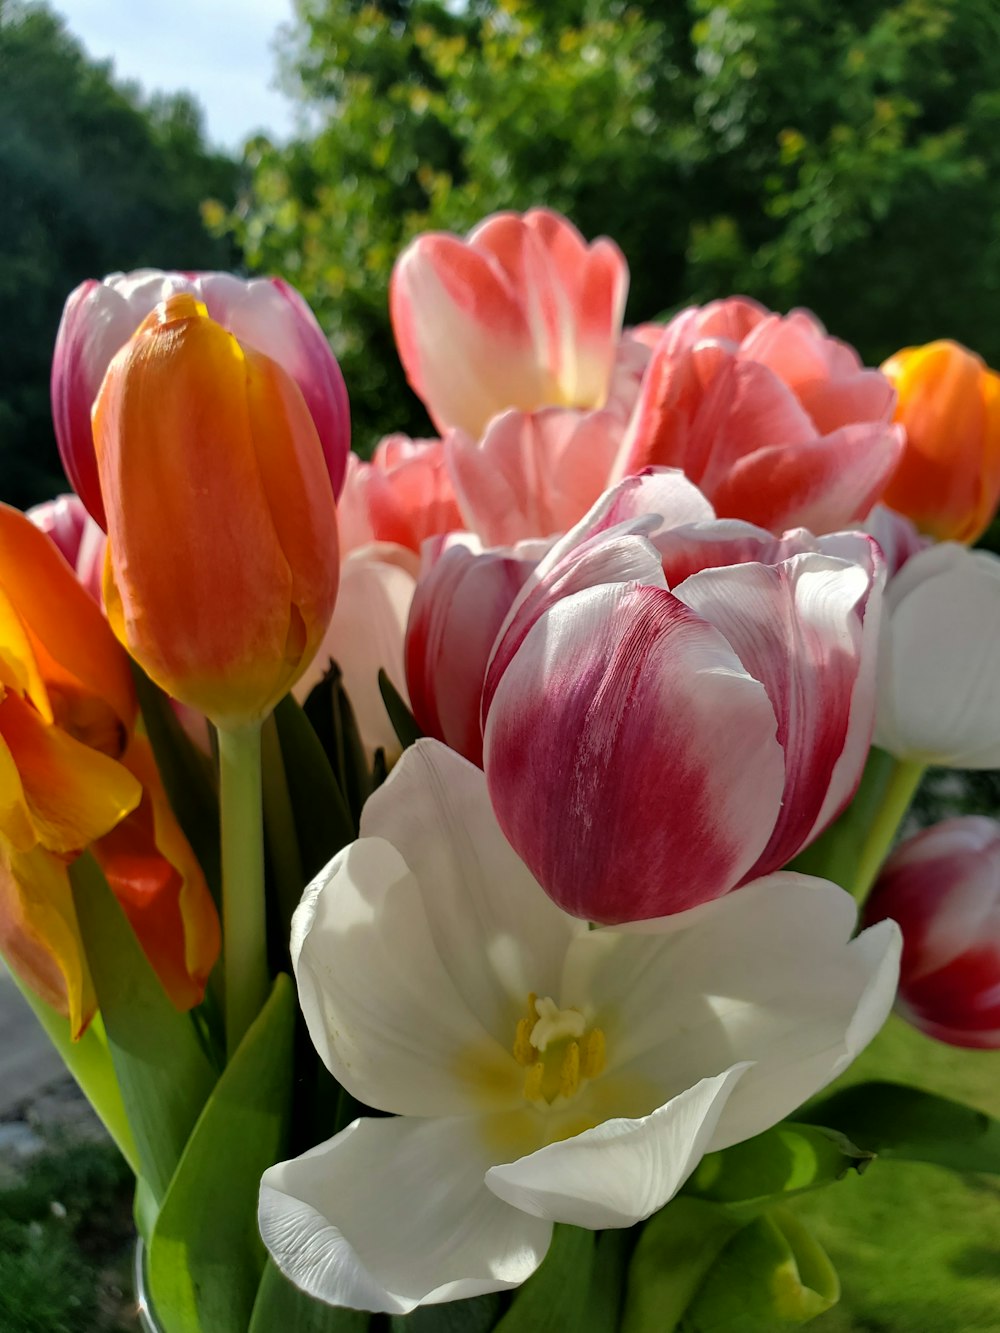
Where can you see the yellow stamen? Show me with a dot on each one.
(524, 1052)
(593, 1056)
(569, 1070)
(533, 1080)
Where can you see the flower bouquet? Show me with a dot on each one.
(441, 873)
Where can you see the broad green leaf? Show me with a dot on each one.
(404, 724)
(281, 1308)
(163, 1072)
(772, 1275)
(188, 778)
(477, 1315)
(788, 1159)
(205, 1258)
(554, 1299)
(607, 1282)
(89, 1061)
(323, 821)
(676, 1250)
(329, 711)
(897, 1121)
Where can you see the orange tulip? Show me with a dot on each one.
(222, 564)
(948, 481)
(72, 775)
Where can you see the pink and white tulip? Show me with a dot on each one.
(776, 422)
(263, 313)
(79, 539)
(522, 313)
(403, 496)
(939, 660)
(648, 750)
(942, 886)
(536, 1071)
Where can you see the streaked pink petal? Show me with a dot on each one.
(625, 680)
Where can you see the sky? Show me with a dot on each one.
(221, 51)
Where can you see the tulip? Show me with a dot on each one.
(533, 474)
(536, 1071)
(939, 661)
(265, 314)
(402, 496)
(222, 561)
(366, 636)
(461, 600)
(776, 422)
(523, 313)
(72, 775)
(648, 750)
(78, 538)
(948, 479)
(943, 888)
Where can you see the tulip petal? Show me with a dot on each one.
(69, 793)
(621, 1171)
(496, 934)
(40, 936)
(769, 974)
(798, 627)
(626, 680)
(391, 1214)
(388, 1020)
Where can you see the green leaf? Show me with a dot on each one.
(323, 821)
(607, 1283)
(477, 1315)
(163, 1072)
(554, 1299)
(89, 1061)
(404, 724)
(906, 1123)
(188, 778)
(281, 1308)
(205, 1258)
(786, 1160)
(675, 1253)
(772, 1275)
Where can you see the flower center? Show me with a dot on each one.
(557, 1050)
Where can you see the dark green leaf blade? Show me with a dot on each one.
(163, 1072)
(205, 1258)
(404, 724)
(554, 1299)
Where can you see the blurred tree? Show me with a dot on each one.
(92, 179)
(843, 154)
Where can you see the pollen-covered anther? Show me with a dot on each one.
(569, 1070)
(557, 1051)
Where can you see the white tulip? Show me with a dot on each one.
(538, 1071)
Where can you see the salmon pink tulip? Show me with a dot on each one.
(402, 496)
(942, 887)
(265, 314)
(725, 722)
(522, 313)
(776, 422)
(948, 479)
(221, 572)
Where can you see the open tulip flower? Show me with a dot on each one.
(537, 1071)
(648, 749)
(778, 423)
(263, 313)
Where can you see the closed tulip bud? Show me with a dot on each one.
(948, 480)
(264, 313)
(943, 888)
(222, 563)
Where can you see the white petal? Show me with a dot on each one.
(391, 1214)
(767, 974)
(379, 1004)
(622, 1170)
(497, 935)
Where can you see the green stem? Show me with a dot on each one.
(898, 793)
(243, 926)
(279, 823)
(90, 1063)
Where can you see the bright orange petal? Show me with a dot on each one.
(156, 878)
(85, 671)
(72, 794)
(40, 937)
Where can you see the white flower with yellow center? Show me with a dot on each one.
(538, 1071)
